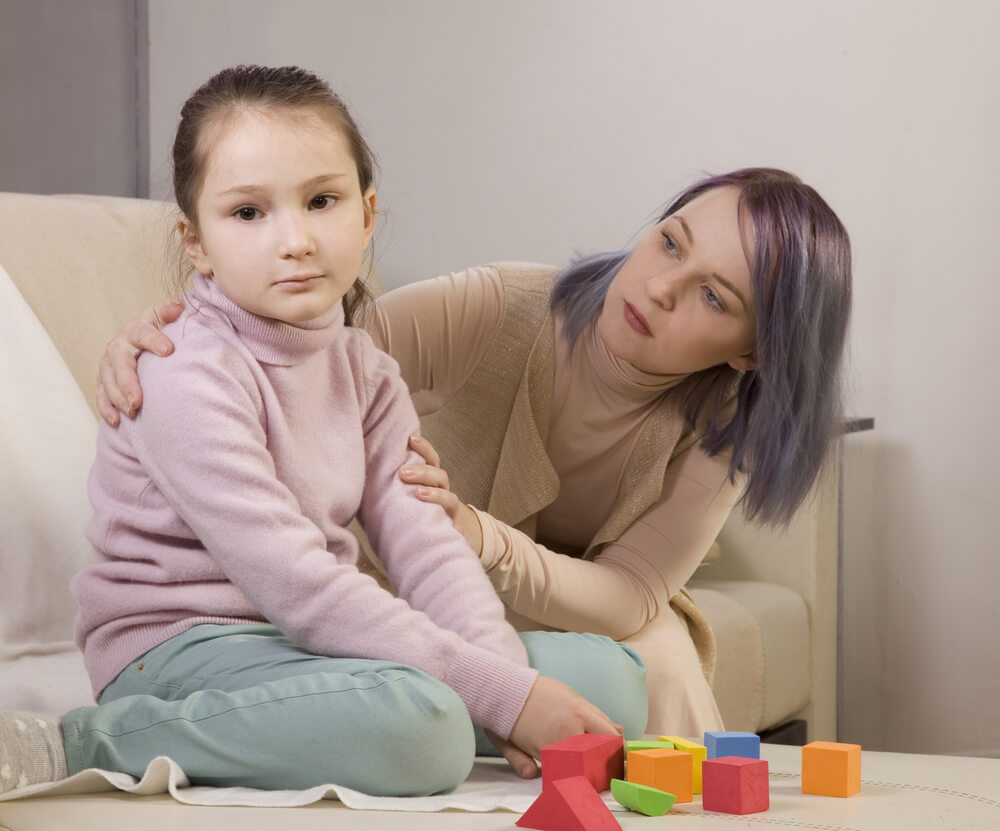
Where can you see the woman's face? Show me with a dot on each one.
(681, 302)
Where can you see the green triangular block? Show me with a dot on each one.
(641, 798)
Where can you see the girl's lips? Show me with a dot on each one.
(298, 282)
(636, 320)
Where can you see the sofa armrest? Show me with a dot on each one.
(803, 557)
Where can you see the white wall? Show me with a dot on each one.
(531, 130)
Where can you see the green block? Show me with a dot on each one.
(640, 744)
(641, 798)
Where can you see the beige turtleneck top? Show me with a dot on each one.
(438, 331)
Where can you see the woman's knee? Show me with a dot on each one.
(609, 674)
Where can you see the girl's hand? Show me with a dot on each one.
(117, 382)
(552, 712)
(432, 486)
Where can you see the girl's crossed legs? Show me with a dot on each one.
(241, 705)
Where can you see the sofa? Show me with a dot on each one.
(74, 269)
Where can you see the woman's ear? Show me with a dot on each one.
(744, 363)
(192, 246)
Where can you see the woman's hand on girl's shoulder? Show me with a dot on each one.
(433, 486)
(117, 380)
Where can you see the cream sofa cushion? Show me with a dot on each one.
(762, 667)
(47, 435)
(86, 265)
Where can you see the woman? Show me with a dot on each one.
(590, 430)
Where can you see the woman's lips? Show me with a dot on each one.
(636, 320)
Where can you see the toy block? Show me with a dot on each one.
(720, 743)
(569, 804)
(831, 768)
(598, 757)
(665, 770)
(641, 798)
(698, 754)
(641, 744)
(735, 785)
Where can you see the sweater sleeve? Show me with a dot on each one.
(633, 578)
(437, 330)
(201, 440)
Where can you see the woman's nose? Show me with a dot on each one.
(662, 289)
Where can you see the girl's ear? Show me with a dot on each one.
(192, 246)
(370, 201)
(744, 363)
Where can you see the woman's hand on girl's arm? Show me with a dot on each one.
(552, 712)
(117, 381)
(432, 486)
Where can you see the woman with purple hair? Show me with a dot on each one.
(590, 429)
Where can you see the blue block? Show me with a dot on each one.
(719, 743)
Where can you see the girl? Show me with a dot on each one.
(224, 622)
(631, 400)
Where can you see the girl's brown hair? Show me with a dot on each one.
(285, 89)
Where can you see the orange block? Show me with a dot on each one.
(698, 754)
(831, 768)
(667, 770)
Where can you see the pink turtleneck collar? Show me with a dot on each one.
(270, 341)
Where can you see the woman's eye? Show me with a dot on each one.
(669, 244)
(320, 202)
(713, 299)
(247, 213)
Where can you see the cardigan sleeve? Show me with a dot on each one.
(631, 579)
(437, 330)
(427, 559)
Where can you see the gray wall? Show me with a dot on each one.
(72, 94)
(528, 129)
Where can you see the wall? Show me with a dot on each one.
(72, 95)
(531, 130)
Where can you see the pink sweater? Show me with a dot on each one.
(227, 499)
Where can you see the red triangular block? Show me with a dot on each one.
(569, 804)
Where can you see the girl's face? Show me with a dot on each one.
(282, 222)
(681, 302)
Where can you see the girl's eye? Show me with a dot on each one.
(247, 213)
(320, 202)
(668, 243)
(713, 299)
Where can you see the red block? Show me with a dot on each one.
(735, 785)
(599, 758)
(569, 804)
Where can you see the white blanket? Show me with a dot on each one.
(492, 786)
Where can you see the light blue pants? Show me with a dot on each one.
(241, 705)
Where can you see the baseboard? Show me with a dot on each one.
(791, 732)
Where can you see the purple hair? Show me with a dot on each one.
(788, 409)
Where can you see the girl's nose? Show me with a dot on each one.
(296, 238)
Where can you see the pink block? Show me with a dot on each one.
(599, 758)
(735, 785)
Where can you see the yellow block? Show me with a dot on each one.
(698, 751)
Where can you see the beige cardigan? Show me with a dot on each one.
(491, 435)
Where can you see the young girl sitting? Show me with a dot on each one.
(224, 622)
